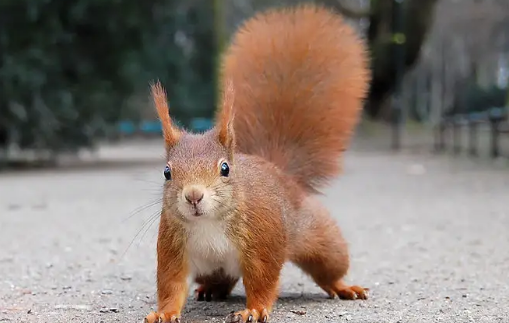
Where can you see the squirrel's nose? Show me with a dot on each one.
(193, 195)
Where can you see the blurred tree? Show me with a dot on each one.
(419, 17)
(68, 68)
(220, 37)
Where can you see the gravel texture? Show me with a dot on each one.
(428, 235)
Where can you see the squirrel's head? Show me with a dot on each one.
(200, 168)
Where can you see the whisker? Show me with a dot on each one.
(153, 219)
(218, 201)
(143, 207)
(145, 223)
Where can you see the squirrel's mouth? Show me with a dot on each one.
(197, 212)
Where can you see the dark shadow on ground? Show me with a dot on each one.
(287, 303)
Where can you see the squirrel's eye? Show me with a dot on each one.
(225, 169)
(167, 173)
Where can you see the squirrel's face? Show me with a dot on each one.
(199, 172)
(198, 178)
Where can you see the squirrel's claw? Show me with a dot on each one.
(349, 292)
(162, 318)
(248, 316)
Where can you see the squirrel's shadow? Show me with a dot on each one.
(202, 311)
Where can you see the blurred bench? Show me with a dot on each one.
(496, 118)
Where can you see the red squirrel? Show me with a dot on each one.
(241, 199)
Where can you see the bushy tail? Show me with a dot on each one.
(300, 76)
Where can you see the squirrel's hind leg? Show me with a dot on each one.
(216, 286)
(322, 252)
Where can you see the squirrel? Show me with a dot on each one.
(241, 199)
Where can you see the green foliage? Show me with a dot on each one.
(69, 68)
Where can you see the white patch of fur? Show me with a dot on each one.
(209, 249)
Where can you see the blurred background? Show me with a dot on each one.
(81, 157)
(75, 74)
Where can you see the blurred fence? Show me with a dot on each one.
(459, 88)
(72, 73)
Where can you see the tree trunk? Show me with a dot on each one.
(220, 41)
(419, 15)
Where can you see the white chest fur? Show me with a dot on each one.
(209, 249)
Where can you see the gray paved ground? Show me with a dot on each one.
(429, 236)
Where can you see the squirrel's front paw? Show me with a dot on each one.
(248, 316)
(165, 317)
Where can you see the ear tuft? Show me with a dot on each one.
(226, 117)
(170, 133)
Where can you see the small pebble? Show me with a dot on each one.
(109, 310)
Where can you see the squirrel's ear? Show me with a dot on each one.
(171, 134)
(226, 116)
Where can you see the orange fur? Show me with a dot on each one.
(225, 128)
(293, 81)
(226, 131)
(172, 272)
(300, 77)
(170, 133)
